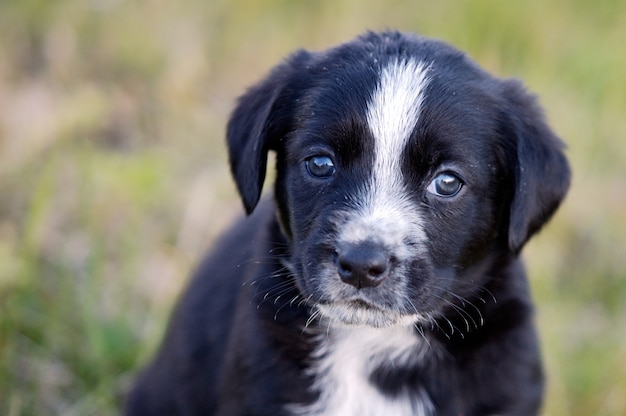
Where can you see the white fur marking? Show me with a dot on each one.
(347, 355)
(345, 362)
(385, 211)
(392, 115)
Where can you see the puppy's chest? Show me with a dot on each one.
(343, 370)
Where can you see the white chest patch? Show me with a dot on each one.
(345, 359)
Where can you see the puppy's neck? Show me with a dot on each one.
(344, 364)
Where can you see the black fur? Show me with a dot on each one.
(236, 343)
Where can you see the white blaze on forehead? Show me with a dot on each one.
(393, 111)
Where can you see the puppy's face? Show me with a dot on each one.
(394, 195)
(401, 176)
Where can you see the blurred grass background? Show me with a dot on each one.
(113, 179)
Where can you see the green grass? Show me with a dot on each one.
(113, 178)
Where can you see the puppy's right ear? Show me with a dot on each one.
(263, 116)
(542, 173)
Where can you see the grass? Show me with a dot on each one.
(113, 178)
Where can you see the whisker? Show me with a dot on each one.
(462, 313)
(314, 315)
(281, 307)
(482, 289)
(465, 302)
(294, 299)
(305, 300)
(420, 330)
(452, 328)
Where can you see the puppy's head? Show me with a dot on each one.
(403, 172)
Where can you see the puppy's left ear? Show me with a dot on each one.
(542, 173)
(262, 118)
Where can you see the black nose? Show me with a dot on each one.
(362, 265)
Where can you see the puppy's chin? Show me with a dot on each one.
(360, 313)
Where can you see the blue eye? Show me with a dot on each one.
(445, 185)
(320, 166)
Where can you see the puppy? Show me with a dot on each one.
(383, 277)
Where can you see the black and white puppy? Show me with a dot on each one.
(383, 278)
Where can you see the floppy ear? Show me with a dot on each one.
(542, 173)
(262, 117)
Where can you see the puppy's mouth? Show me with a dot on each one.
(359, 312)
(362, 304)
